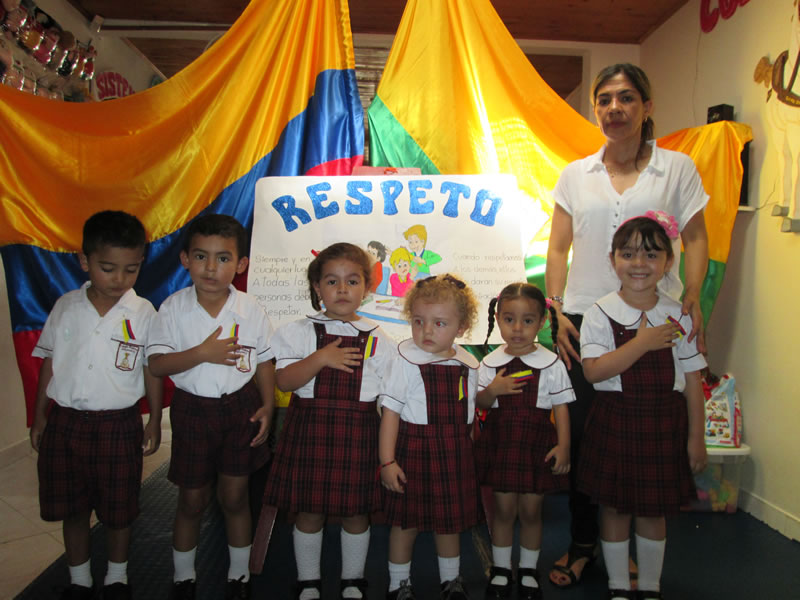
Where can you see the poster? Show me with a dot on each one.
(415, 226)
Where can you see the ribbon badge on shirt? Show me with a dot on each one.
(523, 375)
(462, 388)
(127, 352)
(243, 354)
(370, 347)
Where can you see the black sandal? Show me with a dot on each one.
(307, 584)
(360, 584)
(575, 553)
(495, 591)
(526, 592)
(616, 594)
(649, 595)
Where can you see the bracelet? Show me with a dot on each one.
(558, 299)
(380, 468)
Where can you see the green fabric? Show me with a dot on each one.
(389, 143)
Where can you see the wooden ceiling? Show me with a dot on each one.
(170, 47)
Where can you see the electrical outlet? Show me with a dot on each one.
(780, 211)
(790, 225)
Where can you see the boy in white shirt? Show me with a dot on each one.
(91, 442)
(212, 340)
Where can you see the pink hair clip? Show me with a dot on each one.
(548, 303)
(667, 221)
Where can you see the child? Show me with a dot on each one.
(417, 237)
(524, 455)
(377, 253)
(426, 459)
(404, 272)
(324, 463)
(212, 340)
(644, 434)
(90, 444)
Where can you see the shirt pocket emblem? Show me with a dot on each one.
(127, 355)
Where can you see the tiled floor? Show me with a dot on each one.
(28, 544)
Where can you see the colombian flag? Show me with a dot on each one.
(458, 96)
(276, 95)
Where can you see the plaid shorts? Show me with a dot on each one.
(213, 435)
(91, 460)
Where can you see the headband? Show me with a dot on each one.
(666, 221)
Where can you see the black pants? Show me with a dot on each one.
(584, 528)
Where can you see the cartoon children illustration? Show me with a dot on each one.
(377, 254)
(417, 237)
(404, 271)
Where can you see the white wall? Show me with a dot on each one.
(755, 327)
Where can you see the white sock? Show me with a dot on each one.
(183, 563)
(239, 563)
(501, 557)
(307, 553)
(81, 575)
(116, 573)
(354, 556)
(398, 572)
(528, 559)
(448, 568)
(616, 556)
(650, 560)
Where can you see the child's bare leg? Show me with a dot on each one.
(401, 547)
(234, 499)
(614, 533)
(448, 549)
(530, 535)
(76, 538)
(118, 542)
(651, 541)
(192, 503)
(76, 547)
(505, 515)
(355, 545)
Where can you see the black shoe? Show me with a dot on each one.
(404, 592)
(496, 591)
(359, 584)
(237, 589)
(454, 590)
(77, 592)
(621, 594)
(648, 595)
(527, 592)
(117, 591)
(183, 590)
(307, 584)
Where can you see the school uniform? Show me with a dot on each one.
(326, 456)
(212, 405)
(518, 432)
(634, 455)
(90, 455)
(435, 399)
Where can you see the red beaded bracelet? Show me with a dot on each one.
(380, 468)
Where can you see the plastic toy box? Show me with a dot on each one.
(718, 485)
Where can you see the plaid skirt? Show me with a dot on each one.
(213, 435)
(441, 493)
(634, 456)
(326, 459)
(511, 448)
(91, 460)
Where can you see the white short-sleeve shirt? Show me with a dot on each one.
(297, 340)
(405, 390)
(554, 384)
(97, 361)
(597, 337)
(670, 182)
(181, 324)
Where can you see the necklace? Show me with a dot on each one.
(625, 170)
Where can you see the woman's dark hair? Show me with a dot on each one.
(639, 80)
(379, 248)
(652, 235)
(336, 251)
(522, 290)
